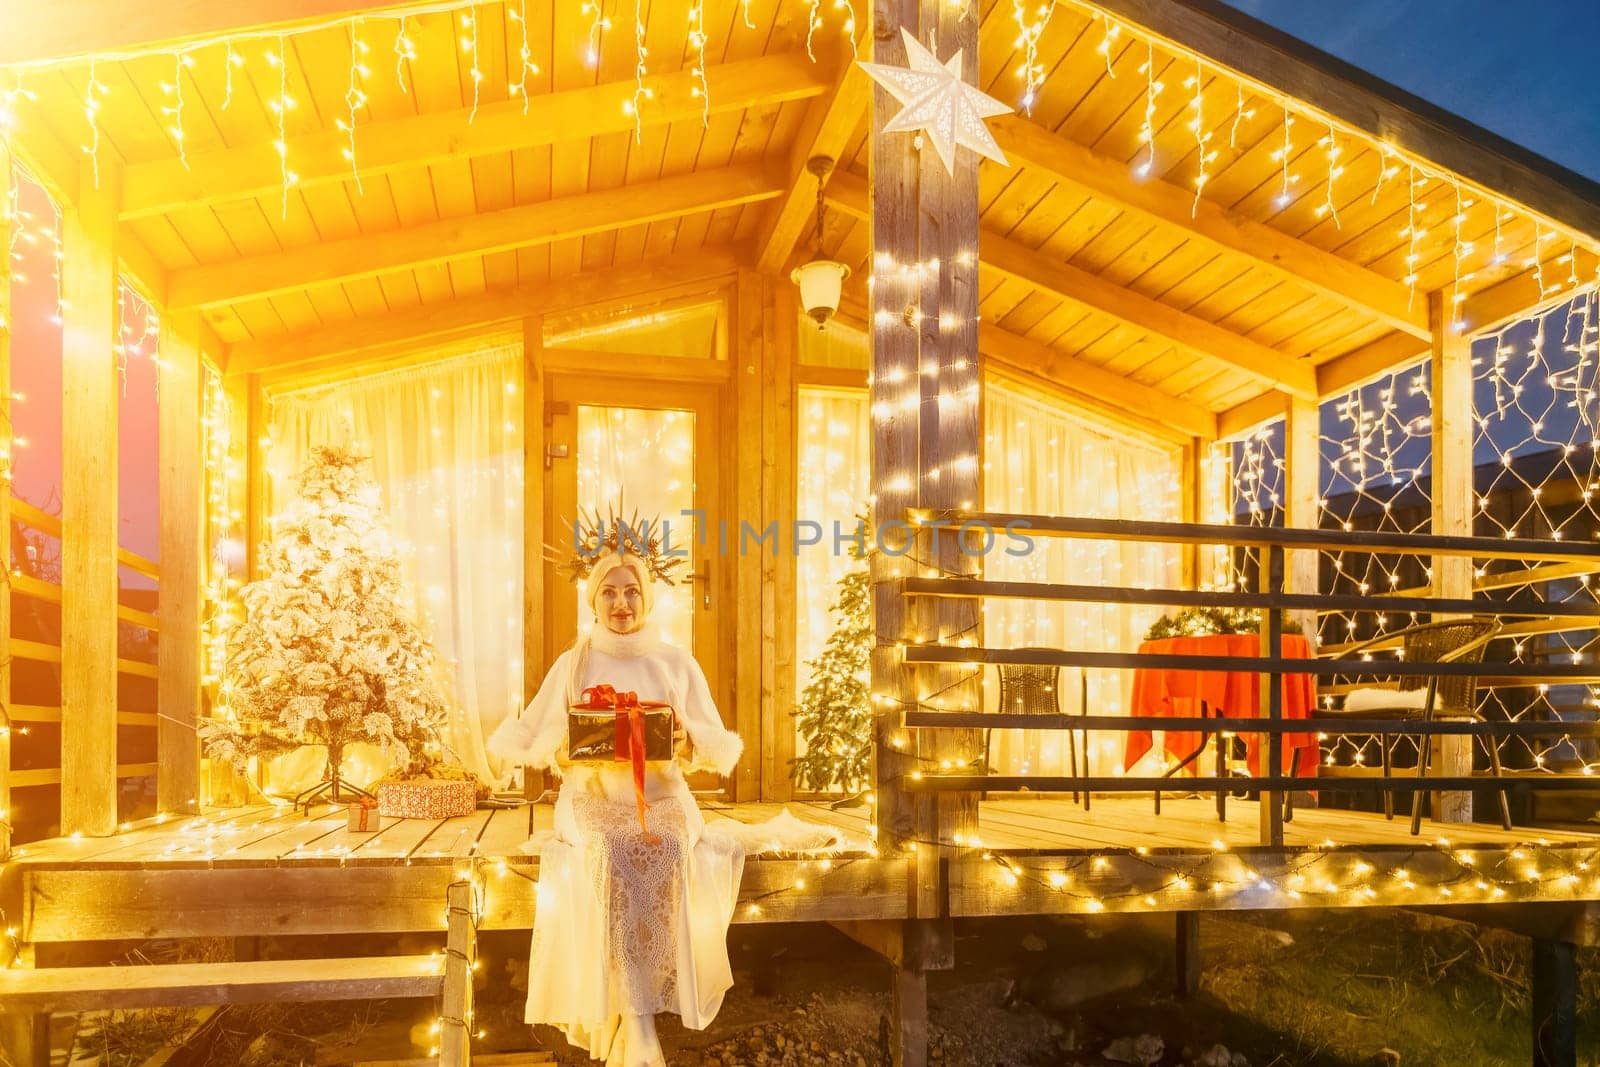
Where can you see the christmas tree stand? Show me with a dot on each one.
(333, 788)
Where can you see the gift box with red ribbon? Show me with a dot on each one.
(617, 727)
(364, 816)
(426, 798)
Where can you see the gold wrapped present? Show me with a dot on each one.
(426, 798)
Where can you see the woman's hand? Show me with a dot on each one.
(681, 743)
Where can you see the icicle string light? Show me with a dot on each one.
(354, 99)
(697, 70)
(525, 64)
(1147, 132)
(404, 50)
(640, 92)
(280, 108)
(469, 44)
(173, 91)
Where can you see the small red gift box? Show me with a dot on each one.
(364, 816)
(426, 798)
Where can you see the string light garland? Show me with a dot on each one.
(1331, 149)
(174, 92)
(469, 44)
(1152, 89)
(813, 24)
(697, 70)
(641, 92)
(280, 109)
(598, 22)
(1202, 136)
(404, 51)
(1282, 154)
(848, 27)
(91, 112)
(354, 99)
(525, 63)
(1030, 25)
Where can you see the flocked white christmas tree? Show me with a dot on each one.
(327, 653)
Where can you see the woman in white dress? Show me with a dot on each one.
(627, 925)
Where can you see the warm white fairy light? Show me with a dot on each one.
(1109, 32)
(91, 112)
(280, 109)
(1386, 170)
(640, 92)
(1031, 21)
(525, 63)
(1152, 89)
(173, 110)
(469, 44)
(1413, 232)
(848, 9)
(1331, 150)
(697, 70)
(355, 98)
(404, 50)
(1202, 136)
(598, 22)
(813, 24)
(1240, 113)
(1281, 155)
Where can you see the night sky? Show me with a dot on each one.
(1525, 69)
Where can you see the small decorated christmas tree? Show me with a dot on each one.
(835, 711)
(327, 654)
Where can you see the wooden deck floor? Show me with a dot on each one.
(270, 870)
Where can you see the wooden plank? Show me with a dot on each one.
(88, 508)
(1371, 361)
(335, 344)
(1151, 317)
(529, 225)
(1523, 294)
(252, 170)
(829, 124)
(69, 904)
(69, 989)
(82, 27)
(182, 508)
(1268, 249)
(780, 500)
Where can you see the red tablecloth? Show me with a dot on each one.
(1235, 694)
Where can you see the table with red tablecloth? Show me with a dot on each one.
(1232, 694)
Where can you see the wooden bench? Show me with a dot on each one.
(29, 996)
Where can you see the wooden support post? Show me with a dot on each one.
(1271, 706)
(455, 1024)
(1188, 956)
(926, 441)
(1452, 508)
(182, 587)
(748, 389)
(908, 1027)
(7, 220)
(780, 320)
(1302, 466)
(1555, 1003)
(89, 509)
(533, 532)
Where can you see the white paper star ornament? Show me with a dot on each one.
(938, 104)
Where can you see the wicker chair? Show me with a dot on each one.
(1029, 689)
(1449, 696)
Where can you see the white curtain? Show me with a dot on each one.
(1039, 459)
(835, 463)
(446, 446)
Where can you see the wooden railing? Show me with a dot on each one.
(22, 716)
(1270, 546)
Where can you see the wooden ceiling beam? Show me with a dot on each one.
(253, 170)
(1372, 360)
(219, 284)
(1094, 387)
(308, 350)
(829, 124)
(64, 29)
(1188, 332)
(1522, 295)
(1243, 419)
(1287, 258)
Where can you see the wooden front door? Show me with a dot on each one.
(649, 448)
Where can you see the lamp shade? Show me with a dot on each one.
(820, 281)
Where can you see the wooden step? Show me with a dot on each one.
(67, 989)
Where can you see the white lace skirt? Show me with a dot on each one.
(624, 926)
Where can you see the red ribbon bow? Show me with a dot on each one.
(370, 803)
(630, 737)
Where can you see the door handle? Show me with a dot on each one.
(703, 575)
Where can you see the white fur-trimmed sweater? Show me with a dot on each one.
(639, 662)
